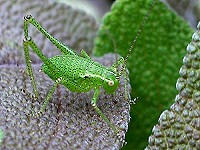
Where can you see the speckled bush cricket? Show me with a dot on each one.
(77, 73)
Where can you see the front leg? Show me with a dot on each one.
(93, 102)
(117, 63)
(125, 75)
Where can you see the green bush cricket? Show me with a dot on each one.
(77, 73)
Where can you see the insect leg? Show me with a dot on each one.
(117, 63)
(127, 98)
(29, 68)
(49, 95)
(125, 75)
(93, 102)
(29, 42)
(62, 47)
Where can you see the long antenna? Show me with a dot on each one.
(111, 37)
(114, 44)
(136, 37)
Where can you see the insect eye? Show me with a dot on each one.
(111, 83)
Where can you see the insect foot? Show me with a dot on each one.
(121, 138)
(133, 101)
(35, 115)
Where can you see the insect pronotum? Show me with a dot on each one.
(77, 73)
